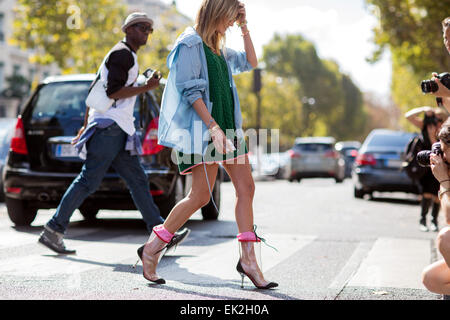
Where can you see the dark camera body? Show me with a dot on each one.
(423, 157)
(431, 86)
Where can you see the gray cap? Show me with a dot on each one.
(134, 18)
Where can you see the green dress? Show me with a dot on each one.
(221, 96)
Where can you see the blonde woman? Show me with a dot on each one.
(200, 103)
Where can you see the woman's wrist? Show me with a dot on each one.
(242, 24)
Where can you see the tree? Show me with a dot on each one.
(154, 54)
(336, 108)
(412, 31)
(18, 87)
(74, 35)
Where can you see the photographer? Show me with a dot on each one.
(436, 277)
(429, 125)
(443, 91)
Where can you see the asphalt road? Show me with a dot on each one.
(330, 245)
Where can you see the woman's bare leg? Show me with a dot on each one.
(198, 197)
(242, 179)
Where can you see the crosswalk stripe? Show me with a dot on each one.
(106, 253)
(10, 238)
(351, 266)
(219, 261)
(396, 263)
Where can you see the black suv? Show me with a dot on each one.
(42, 163)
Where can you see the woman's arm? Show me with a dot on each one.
(248, 43)
(441, 173)
(413, 116)
(200, 107)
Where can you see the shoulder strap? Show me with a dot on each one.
(119, 46)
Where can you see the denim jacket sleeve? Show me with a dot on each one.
(188, 68)
(237, 60)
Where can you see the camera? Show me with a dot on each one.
(148, 73)
(423, 157)
(431, 86)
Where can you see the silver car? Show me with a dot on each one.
(315, 157)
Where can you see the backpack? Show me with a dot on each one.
(413, 169)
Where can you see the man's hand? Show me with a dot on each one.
(153, 81)
(80, 132)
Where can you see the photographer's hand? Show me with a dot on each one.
(443, 91)
(439, 167)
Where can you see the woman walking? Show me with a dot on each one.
(200, 103)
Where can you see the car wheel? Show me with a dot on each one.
(89, 213)
(20, 212)
(358, 193)
(177, 194)
(209, 212)
(338, 180)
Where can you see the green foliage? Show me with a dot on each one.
(337, 107)
(158, 47)
(17, 86)
(74, 34)
(412, 31)
(280, 106)
(77, 35)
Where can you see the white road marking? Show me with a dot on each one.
(394, 263)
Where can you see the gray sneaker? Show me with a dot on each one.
(54, 241)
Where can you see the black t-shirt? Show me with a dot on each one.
(118, 65)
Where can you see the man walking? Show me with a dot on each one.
(109, 139)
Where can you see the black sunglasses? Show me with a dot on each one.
(143, 28)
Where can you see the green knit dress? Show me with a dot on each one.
(221, 96)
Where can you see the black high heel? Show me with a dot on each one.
(140, 252)
(241, 271)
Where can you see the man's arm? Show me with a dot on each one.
(118, 64)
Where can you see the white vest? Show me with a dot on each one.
(122, 111)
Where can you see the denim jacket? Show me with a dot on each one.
(180, 127)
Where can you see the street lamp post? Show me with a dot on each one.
(257, 90)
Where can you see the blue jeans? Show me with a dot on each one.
(106, 148)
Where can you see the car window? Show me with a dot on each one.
(313, 147)
(61, 100)
(381, 140)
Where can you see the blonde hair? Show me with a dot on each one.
(210, 15)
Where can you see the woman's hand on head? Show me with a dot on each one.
(242, 13)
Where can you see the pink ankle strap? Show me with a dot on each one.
(248, 236)
(162, 233)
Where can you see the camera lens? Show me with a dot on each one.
(423, 158)
(429, 86)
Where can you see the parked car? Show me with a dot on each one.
(349, 151)
(42, 163)
(314, 157)
(7, 126)
(272, 164)
(378, 165)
